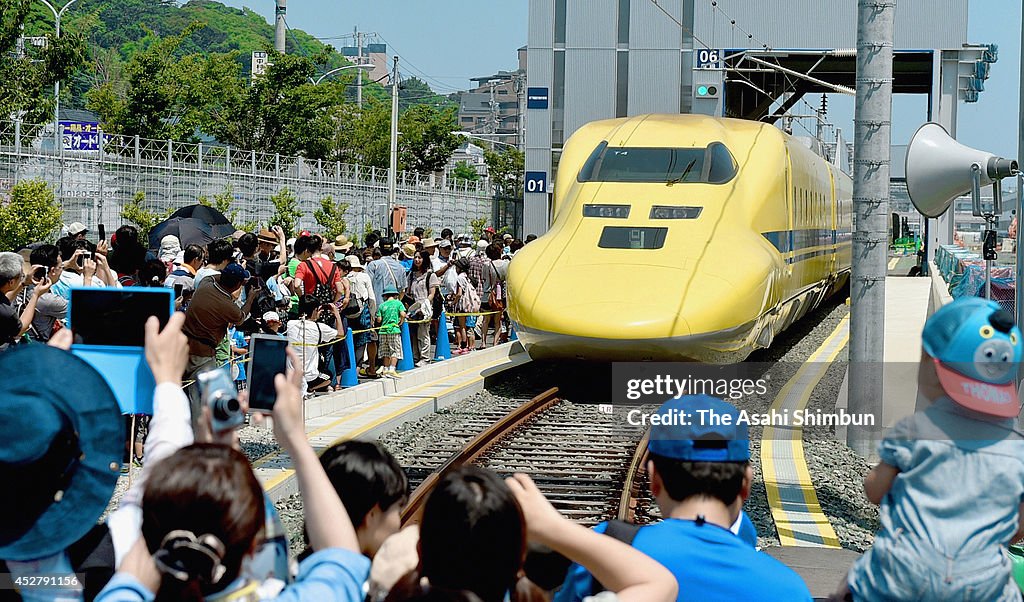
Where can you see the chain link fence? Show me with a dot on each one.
(93, 186)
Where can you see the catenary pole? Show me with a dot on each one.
(393, 168)
(1020, 190)
(872, 138)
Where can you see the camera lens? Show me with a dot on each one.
(224, 409)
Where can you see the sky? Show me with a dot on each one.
(445, 42)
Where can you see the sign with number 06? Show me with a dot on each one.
(708, 58)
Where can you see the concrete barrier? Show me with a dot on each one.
(940, 290)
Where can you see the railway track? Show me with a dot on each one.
(585, 462)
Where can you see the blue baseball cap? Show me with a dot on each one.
(699, 428)
(976, 348)
(235, 270)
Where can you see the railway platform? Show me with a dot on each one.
(374, 407)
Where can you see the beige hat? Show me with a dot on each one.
(409, 250)
(353, 262)
(429, 243)
(267, 236)
(342, 243)
(75, 228)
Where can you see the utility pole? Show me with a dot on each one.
(279, 25)
(1020, 192)
(494, 111)
(57, 14)
(359, 72)
(521, 111)
(872, 139)
(393, 169)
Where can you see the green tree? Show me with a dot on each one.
(27, 89)
(427, 142)
(331, 217)
(477, 227)
(364, 137)
(506, 170)
(286, 211)
(413, 92)
(464, 171)
(143, 218)
(29, 213)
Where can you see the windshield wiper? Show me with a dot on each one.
(686, 172)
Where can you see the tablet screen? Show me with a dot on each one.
(117, 317)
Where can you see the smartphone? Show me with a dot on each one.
(178, 288)
(80, 260)
(267, 360)
(102, 232)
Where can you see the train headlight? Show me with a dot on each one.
(669, 212)
(612, 211)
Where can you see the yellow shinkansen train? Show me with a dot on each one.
(681, 237)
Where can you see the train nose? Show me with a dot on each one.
(628, 302)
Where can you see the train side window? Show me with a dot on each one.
(587, 171)
(723, 166)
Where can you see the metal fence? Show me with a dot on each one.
(93, 186)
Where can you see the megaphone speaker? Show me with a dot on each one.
(938, 169)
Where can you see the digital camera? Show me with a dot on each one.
(219, 393)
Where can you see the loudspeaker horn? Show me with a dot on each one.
(938, 169)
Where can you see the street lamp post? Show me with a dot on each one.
(333, 71)
(57, 14)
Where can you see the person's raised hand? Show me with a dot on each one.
(101, 248)
(288, 426)
(88, 269)
(540, 515)
(167, 350)
(42, 287)
(204, 427)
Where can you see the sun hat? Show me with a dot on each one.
(976, 348)
(62, 450)
(271, 316)
(353, 262)
(444, 243)
(390, 290)
(413, 239)
(342, 243)
(429, 243)
(481, 245)
(506, 236)
(683, 429)
(409, 250)
(76, 228)
(267, 236)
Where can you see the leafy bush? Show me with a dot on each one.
(477, 226)
(286, 211)
(143, 219)
(331, 217)
(29, 213)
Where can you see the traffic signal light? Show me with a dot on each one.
(706, 91)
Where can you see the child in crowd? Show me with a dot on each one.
(465, 300)
(951, 477)
(390, 316)
(239, 348)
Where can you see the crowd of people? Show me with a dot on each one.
(308, 288)
(197, 525)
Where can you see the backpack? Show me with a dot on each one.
(322, 289)
(470, 301)
(622, 531)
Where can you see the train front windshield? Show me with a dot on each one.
(711, 165)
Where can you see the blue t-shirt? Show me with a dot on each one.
(708, 561)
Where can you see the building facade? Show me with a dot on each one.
(599, 59)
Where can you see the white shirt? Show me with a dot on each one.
(170, 429)
(203, 273)
(303, 334)
(361, 284)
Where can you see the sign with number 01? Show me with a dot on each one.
(536, 181)
(709, 59)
